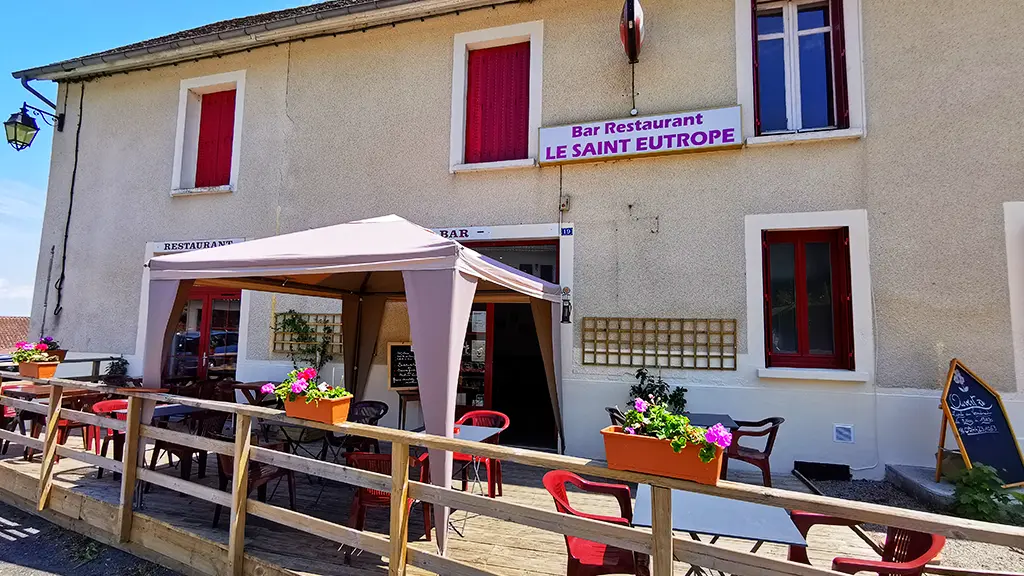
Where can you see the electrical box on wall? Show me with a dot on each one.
(842, 433)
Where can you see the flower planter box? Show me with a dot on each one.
(333, 411)
(635, 453)
(38, 369)
(60, 354)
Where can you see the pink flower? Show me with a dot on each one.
(299, 386)
(267, 388)
(24, 346)
(308, 374)
(629, 430)
(640, 405)
(719, 436)
(41, 347)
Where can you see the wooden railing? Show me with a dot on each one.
(659, 541)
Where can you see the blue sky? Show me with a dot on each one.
(66, 29)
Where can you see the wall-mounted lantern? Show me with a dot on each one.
(21, 128)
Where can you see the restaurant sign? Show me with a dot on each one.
(644, 136)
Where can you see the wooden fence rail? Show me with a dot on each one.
(659, 541)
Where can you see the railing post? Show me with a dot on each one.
(50, 446)
(399, 532)
(661, 530)
(130, 467)
(239, 494)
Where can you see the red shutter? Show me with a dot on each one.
(216, 130)
(839, 64)
(498, 103)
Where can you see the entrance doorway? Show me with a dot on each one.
(504, 337)
(205, 341)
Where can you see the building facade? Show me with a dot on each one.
(859, 223)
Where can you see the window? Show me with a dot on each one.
(496, 92)
(498, 103)
(799, 66)
(206, 154)
(807, 298)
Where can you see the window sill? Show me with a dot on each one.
(500, 165)
(800, 137)
(226, 189)
(812, 374)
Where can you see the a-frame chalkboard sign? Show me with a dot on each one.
(980, 425)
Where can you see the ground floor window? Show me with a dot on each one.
(807, 297)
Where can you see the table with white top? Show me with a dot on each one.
(718, 517)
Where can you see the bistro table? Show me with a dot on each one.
(33, 392)
(721, 518)
(709, 420)
(471, 434)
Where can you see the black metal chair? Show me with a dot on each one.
(616, 415)
(367, 412)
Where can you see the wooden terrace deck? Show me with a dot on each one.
(500, 546)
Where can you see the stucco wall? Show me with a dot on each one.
(357, 125)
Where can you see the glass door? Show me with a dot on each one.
(205, 341)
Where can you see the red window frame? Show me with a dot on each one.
(840, 92)
(498, 103)
(842, 316)
(216, 135)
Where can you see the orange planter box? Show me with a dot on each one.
(334, 411)
(649, 455)
(38, 369)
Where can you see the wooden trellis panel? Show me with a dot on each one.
(688, 343)
(284, 342)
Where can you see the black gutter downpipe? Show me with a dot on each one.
(24, 83)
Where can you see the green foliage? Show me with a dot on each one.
(309, 346)
(648, 385)
(979, 494)
(649, 419)
(116, 371)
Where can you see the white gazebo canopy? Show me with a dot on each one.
(365, 263)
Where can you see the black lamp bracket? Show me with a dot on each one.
(48, 117)
(56, 120)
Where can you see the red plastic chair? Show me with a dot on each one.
(106, 408)
(370, 498)
(65, 426)
(906, 552)
(491, 419)
(587, 558)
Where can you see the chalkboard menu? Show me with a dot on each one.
(401, 367)
(980, 424)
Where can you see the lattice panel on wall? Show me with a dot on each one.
(284, 342)
(698, 344)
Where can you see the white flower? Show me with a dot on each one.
(322, 387)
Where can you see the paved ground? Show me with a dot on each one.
(31, 546)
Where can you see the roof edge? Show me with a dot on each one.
(336, 20)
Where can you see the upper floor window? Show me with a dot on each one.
(799, 66)
(496, 91)
(206, 155)
(498, 103)
(807, 296)
(799, 74)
